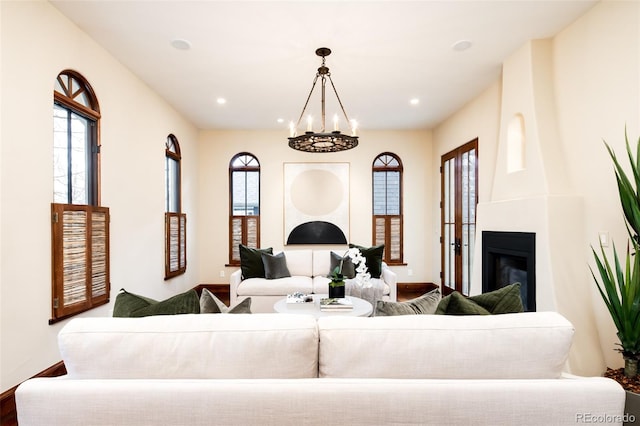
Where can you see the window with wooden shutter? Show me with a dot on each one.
(175, 235)
(80, 228)
(387, 206)
(80, 236)
(244, 205)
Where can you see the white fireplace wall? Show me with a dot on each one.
(596, 79)
(539, 198)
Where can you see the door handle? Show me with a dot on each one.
(457, 246)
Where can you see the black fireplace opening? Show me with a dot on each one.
(508, 258)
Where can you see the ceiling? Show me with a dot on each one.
(260, 55)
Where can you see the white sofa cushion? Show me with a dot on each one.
(276, 287)
(321, 263)
(321, 285)
(299, 262)
(532, 345)
(191, 347)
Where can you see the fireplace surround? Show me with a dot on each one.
(507, 258)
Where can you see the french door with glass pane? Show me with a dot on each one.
(459, 189)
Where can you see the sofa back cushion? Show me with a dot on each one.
(531, 345)
(191, 347)
(299, 262)
(322, 263)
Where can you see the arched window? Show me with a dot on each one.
(175, 221)
(80, 226)
(244, 205)
(75, 141)
(387, 206)
(173, 196)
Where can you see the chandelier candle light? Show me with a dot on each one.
(323, 141)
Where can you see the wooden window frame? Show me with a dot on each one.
(175, 222)
(246, 221)
(172, 153)
(386, 220)
(67, 100)
(91, 244)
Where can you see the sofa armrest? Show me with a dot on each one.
(391, 279)
(234, 281)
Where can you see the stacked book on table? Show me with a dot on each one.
(335, 304)
(299, 298)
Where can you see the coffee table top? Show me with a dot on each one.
(361, 308)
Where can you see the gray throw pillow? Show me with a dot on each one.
(423, 305)
(348, 269)
(210, 304)
(275, 266)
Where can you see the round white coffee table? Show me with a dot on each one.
(361, 308)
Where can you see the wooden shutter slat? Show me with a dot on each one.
(252, 231)
(395, 246)
(99, 254)
(74, 255)
(236, 238)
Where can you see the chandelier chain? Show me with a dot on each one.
(340, 102)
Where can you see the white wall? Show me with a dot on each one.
(480, 119)
(38, 43)
(270, 147)
(596, 80)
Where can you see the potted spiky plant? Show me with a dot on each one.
(620, 287)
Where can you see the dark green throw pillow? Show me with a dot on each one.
(423, 305)
(373, 258)
(126, 303)
(275, 266)
(502, 301)
(251, 261)
(184, 303)
(348, 269)
(460, 305)
(505, 300)
(132, 305)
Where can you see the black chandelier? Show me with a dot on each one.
(323, 141)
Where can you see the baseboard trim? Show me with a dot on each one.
(8, 413)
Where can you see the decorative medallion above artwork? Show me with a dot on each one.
(316, 203)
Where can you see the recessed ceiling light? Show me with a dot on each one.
(221, 101)
(414, 101)
(280, 120)
(181, 44)
(461, 45)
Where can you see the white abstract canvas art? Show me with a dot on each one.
(316, 203)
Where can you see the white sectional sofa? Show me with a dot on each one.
(279, 369)
(309, 270)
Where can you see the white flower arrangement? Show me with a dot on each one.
(363, 277)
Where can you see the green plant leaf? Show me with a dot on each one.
(618, 283)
